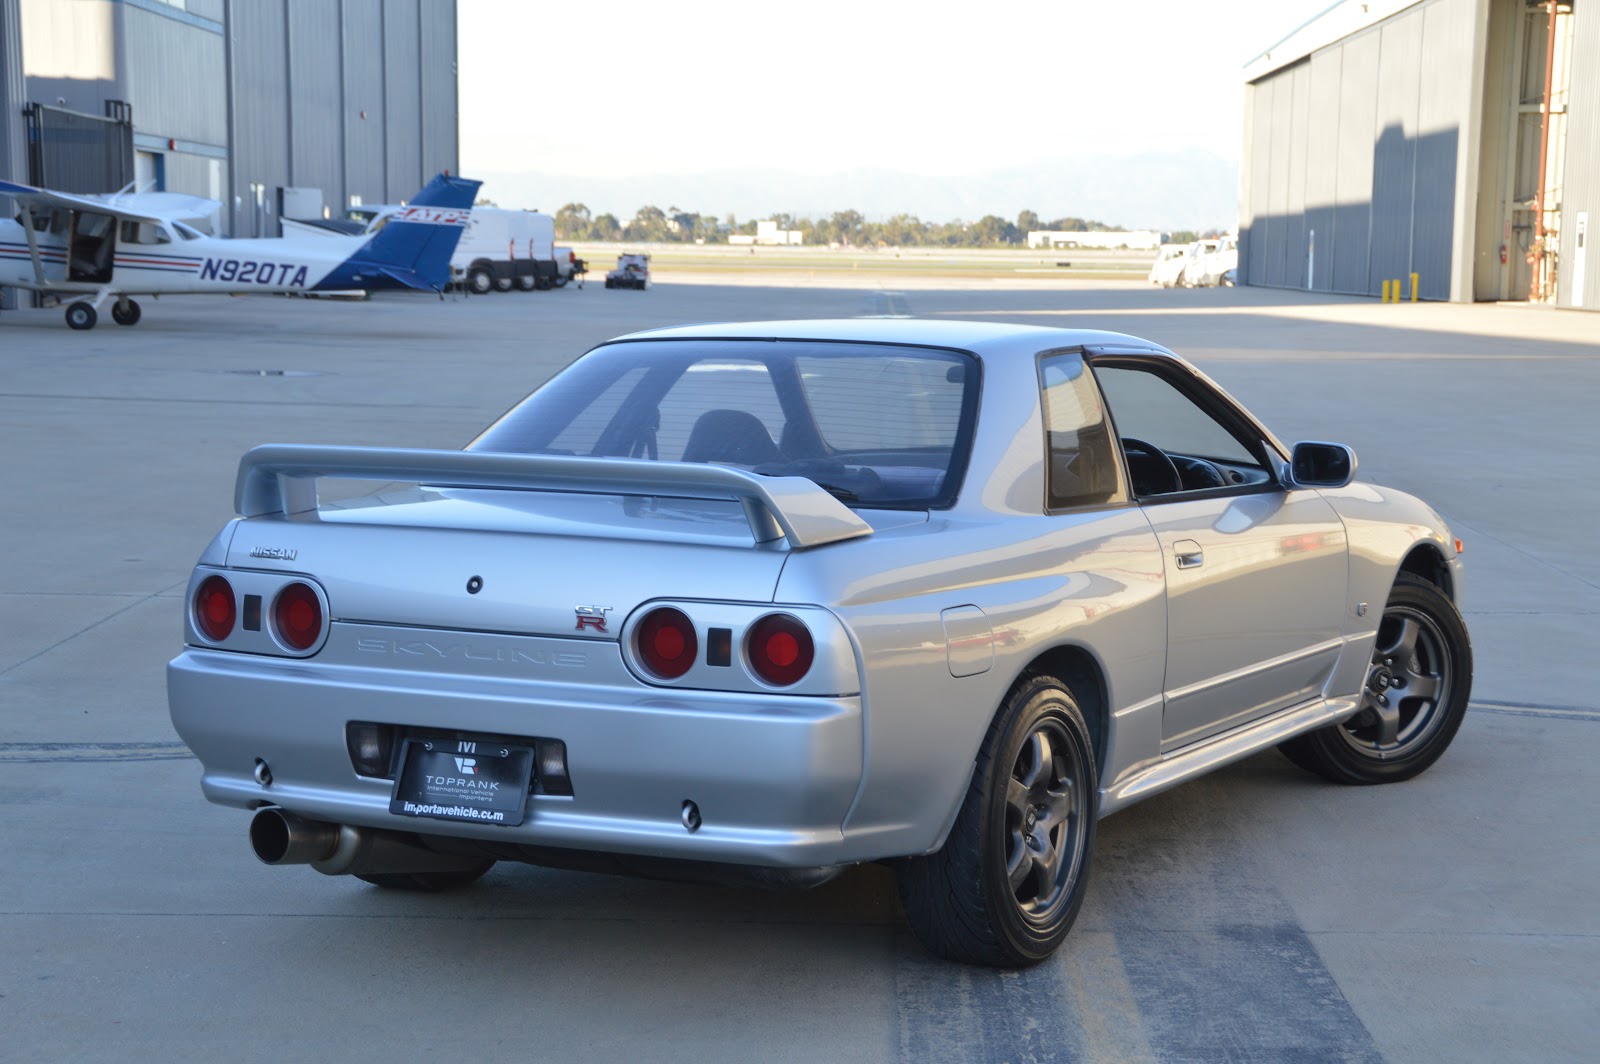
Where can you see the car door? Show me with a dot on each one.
(1255, 573)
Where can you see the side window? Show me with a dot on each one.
(1173, 444)
(143, 233)
(1083, 465)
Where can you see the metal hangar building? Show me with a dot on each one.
(1442, 149)
(250, 102)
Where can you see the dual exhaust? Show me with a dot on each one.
(281, 838)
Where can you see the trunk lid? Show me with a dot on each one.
(409, 558)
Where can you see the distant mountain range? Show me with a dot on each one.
(1186, 189)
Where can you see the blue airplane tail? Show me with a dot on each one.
(413, 248)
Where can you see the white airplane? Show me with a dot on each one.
(111, 247)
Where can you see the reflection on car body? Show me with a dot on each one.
(939, 593)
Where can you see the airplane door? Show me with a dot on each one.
(91, 247)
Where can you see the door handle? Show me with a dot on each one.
(1189, 554)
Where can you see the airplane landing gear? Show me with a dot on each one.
(125, 312)
(81, 315)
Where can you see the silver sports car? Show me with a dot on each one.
(761, 601)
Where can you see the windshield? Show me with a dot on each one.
(876, 425)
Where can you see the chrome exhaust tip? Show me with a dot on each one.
(280, 838)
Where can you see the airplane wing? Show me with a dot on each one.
(39, 197)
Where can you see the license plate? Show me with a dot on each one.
(463, 780)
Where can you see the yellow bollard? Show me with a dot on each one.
(1414, 279)
(1386, 291)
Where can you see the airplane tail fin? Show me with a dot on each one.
(414, 246)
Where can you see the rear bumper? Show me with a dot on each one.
(773, 776)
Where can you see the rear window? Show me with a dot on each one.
(876, 425)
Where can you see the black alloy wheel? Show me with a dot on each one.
(1008, 883)
(1414, 700)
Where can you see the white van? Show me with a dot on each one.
(499, 250)
(504, 248)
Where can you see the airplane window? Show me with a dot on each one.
(185, 232)
(143, 233)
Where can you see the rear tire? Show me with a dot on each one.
(527, 282)
(1415, 698)
(502, 284)
(1008, 883)
(428, 882)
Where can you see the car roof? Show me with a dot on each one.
(979, 337)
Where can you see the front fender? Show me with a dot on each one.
(1385, 525)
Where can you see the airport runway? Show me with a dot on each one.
(1256, 915)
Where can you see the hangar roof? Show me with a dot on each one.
(1344, 19)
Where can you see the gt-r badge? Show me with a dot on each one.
(592, 617)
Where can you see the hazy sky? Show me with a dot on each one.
(608, 87)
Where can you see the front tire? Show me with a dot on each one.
(1416, 694)
(429, 882)
(480, 281)
(1008, 883)
(81, 316)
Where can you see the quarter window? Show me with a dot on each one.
(1083, 465)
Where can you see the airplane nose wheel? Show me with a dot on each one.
(81, 315)
(125, 312)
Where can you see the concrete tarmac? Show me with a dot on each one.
(1258, 914)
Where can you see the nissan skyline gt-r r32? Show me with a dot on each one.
(769, 600)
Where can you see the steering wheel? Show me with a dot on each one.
(1200, 472)
(1148, 475)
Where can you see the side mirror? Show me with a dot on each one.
(1320, 465)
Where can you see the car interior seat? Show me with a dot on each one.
(735, 436)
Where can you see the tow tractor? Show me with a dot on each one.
(633, 271)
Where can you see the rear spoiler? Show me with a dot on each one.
(278, 478)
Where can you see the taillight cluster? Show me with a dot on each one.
(293, 621)
(667, 643)
(778, 649)
(214, 608)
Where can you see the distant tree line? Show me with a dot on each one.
(575, 222)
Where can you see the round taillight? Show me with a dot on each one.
(667, 643)
(297, 616)
(780, 649)
(214, 609)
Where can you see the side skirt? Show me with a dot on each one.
(1185, 764)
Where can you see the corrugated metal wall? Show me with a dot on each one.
(1353, 157)
(402, 97)
(1582, 192)
(157, 48)
(364, 161)
(316, 99)
(304, 74)
(439, 135)
(258, 42)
